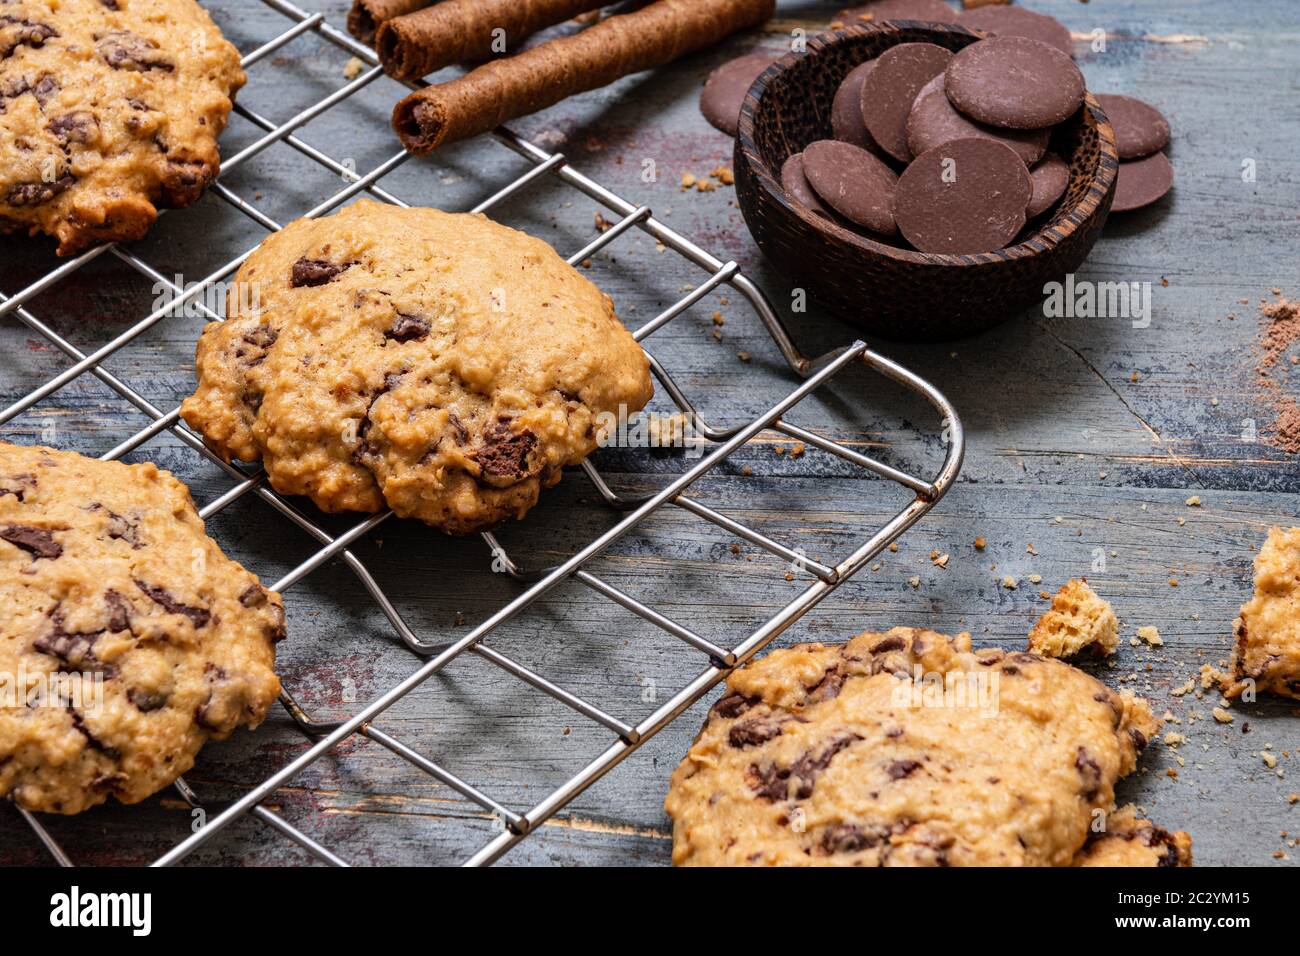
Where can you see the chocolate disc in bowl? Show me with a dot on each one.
(1140, 128)
(1018, 22)
(724, 91)
(1142, 181)
(889, 90)
(935, 121)
(846, 110)
(1014, 83)
(797, 187)
(963, 197)
(1048, 181)
(934, 11)
(854, 183)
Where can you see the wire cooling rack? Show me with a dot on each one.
(717, 660)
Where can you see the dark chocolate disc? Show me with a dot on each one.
(933, 11)
(935, 121)
(796, 185)
(846, 110)
(963, 197)
(724, 91)
(1048, 181)
(889, 90)
(1014, 83)
(854, 183)
(1140, 128)
(1142, 182)
(1018, 22)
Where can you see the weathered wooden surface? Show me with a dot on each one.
(1086, 437)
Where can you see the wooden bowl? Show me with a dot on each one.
(890, 291)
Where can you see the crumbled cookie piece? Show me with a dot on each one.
(1266, 654)
(1151, 634)
(1129, 840)
(904, 748)
(1078, 619)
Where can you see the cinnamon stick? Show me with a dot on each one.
(367, 16)
(503, 89)
(457, 31)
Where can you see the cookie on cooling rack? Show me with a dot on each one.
(108, 109)
(127, 639)
(905, 749)
(441, 364)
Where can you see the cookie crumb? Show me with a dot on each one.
(1078, 618)
(1151, 635)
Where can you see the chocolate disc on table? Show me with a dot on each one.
(854, 183)
(1142, 181)
(935, 121)
(1140, 128)
(889, 90)
(963, 197)
(846, 110)
(1014, 83)
(1048, 181)
(796, 185)
(933, 11)
(724, 91)
(1019, 22)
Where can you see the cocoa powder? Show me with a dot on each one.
(1279, 341)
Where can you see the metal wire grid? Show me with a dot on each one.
(325, 736)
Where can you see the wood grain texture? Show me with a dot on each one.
(1107, 427)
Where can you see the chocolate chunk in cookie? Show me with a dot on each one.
(313, 272)
(38, 542)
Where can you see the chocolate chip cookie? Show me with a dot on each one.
(1266, 652)
(903, 749)
(441, 364)
(127, 639)
(108, 109)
